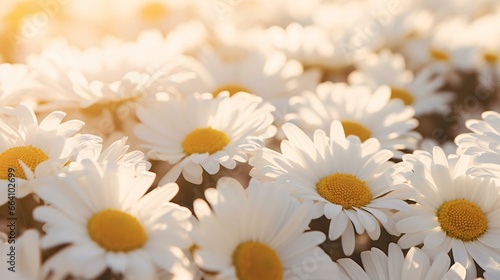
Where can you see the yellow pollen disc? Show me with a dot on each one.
(116, 231)
(355, 128)
(204, 140)
(256, 261)
(232, 88)
(344, 189)
(29, 155)
(399, 93)
(439, 55)
(153, 11)
(490, 57)
(462, 219)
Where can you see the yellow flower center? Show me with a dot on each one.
(462, 219)
(490, 57)
(399, 93)
(153, 11)
(256, 261)
(439, 55)
(344, 189)
(204, 140)
(116, 231)
(232, 88)
(355, 128)
(29, 155)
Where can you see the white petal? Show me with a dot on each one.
(456, 272)
(353, 269)
(348, 240)
(338, 226)
(117, 261)
(416, 224)
(434, 239)
(439, 267)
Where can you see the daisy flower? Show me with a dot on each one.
(487, 51)
(310, 44)
(362, 112)
(102, 214)
(395, 266)
(26, 263)
(442, 48)
(272, 76)
(420, 91)
(483, 143)
(338, 20)
(249, 14)
(201, 132)
(409, 24)
(350, 181)
(99, 74)
(230, 43)
(257, 233)
(30, 150)
(453, 211)
(103, 85)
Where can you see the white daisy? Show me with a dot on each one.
(420, 91)
(443, 48)
(311, 45)
(395, 266)
(487, 51)
(21, 256)
(231, 43)
(257, 233)
(30, 150)
(101, 213)
(97, 74)
(271, 76)
(202, 132)
(350, 181)
(409, 23)
(378, 69)
(343, 23)
(483, 143)
(248, 14)
(453, 211)
(362, 113)
(103, 85)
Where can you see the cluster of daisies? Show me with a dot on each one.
(249, 139)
